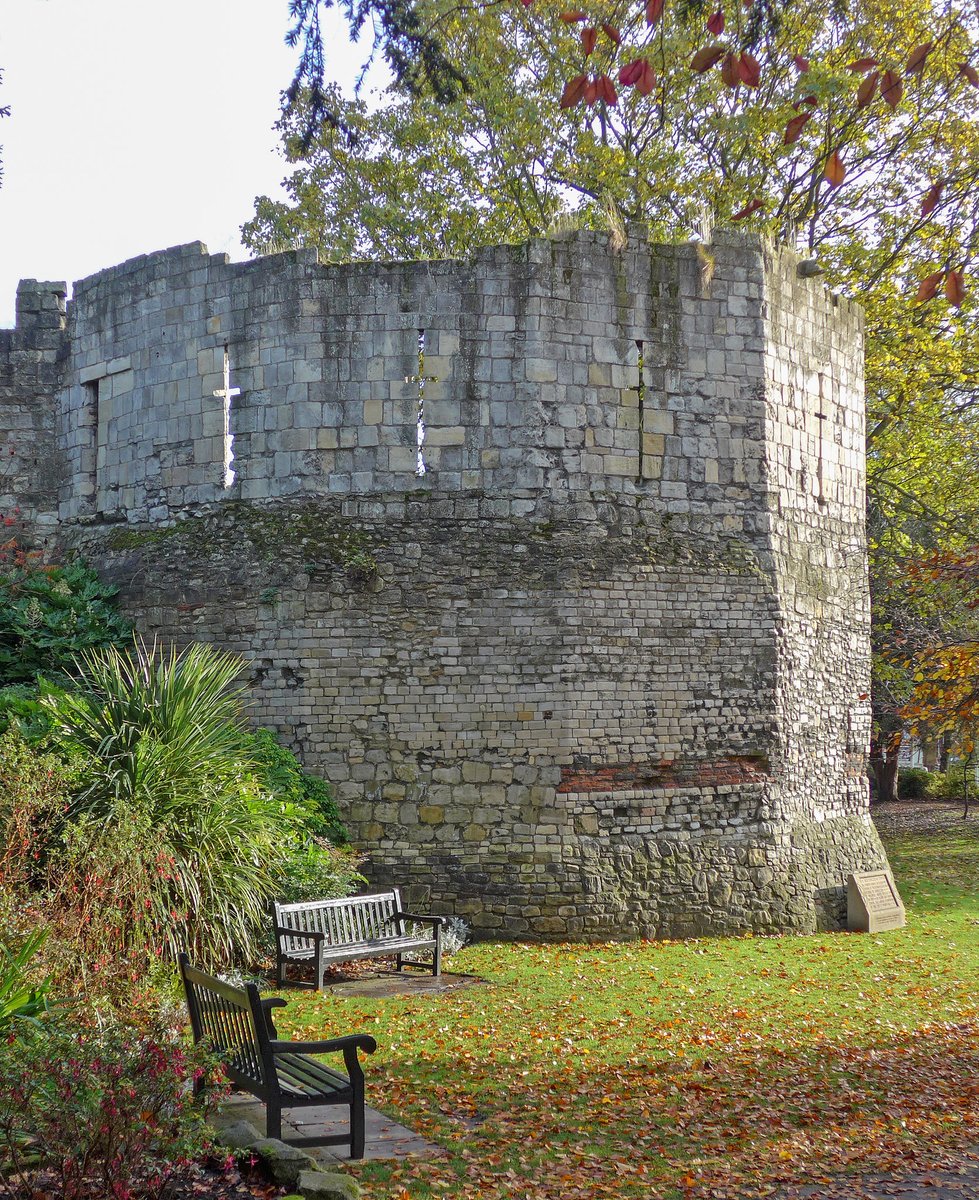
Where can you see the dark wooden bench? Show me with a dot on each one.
(237, 1024)
(323, 932)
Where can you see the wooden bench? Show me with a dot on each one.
(323, 932)
(237, 1024)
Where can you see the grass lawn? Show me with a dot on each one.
(699, 1068)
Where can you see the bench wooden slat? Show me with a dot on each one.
(352, 927)
(302, 1075)
(366, 949)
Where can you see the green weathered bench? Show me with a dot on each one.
(323, 932)
(237, 1024)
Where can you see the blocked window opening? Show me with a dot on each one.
(92, 409)
(420, 378)
(226, 394)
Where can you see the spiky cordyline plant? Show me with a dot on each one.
(169, 843)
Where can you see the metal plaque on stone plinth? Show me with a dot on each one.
(873, 904)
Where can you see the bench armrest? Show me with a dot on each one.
(435, 922)
(353, 1041)
(285, 931)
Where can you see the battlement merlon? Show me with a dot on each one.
(40, 305)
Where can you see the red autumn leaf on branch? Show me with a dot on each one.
(715, 22)
(862, 64)
(704, 59)
(606, 90)
(654, 10)
(929, 286)
(811, 101)
(729, 70)
(612, 33)
(834, 170)
(916, 63)
(969, 72)
(574, 91)
(891, 88)
(589, 35)
(867, 90)
(647, 79)
(629, 74)
(591, 92)
(933, 195)
(801, 63)
(795, 128)
(750, 70)
(955, 288)
(569, 18)
(748, 209)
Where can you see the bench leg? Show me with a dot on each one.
(273, 1121)
(357, 1122)
(437, 957)
(280, 971)
(399, 962)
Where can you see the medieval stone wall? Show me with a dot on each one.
(584, 651)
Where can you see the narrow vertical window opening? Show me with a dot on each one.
(226, 394)
(640, 390)
(420, 379)
(821, 416)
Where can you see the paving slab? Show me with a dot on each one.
(397, 983)
(384, 1138)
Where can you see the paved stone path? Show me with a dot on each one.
(385, 1138)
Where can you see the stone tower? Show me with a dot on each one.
(551, 561)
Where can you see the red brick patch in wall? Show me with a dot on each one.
(623, 777)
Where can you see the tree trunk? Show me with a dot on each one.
(883, 763)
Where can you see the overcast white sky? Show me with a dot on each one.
(136, 125)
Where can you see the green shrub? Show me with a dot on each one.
(21, 1000)
(317, 870)
(937, 785)
(280, 773)
(35, 791)
(48, 615)
(102, 1109)
(951, 784)
(21, 709)
(912, 783)
(169, 843)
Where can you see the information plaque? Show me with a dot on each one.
(873, 904)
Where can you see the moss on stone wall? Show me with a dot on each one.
(310, 533)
